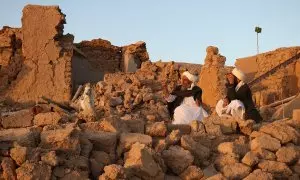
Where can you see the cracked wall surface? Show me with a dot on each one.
(108, 58)
(212, 77)
(10, 55)
(46, 70)
(97, 57)
(133, 56)
(37, 60)
(284, 83)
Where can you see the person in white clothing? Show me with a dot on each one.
(235, 108)
(183, 104)
(185, 113)
(238, 101)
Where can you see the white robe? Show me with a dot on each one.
(188, 111)
(235, 109)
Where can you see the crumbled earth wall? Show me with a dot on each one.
(119, 128)
(11, 58)
(133, 56)
(282, 84)
(212, 77)
(132, 138)
(109, 58)
(102, 54)
(190, 67)
(46, 70)
(38, 60)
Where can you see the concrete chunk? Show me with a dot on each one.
(49, 118)
(250, 159)
(140, 162)
(18, 119)
(9, 169)
(183, 128)
(102, 141)
(63, 139)
(192, 173)
(265, 142)
(177, 159)
(259, 174)
(199, 151)
(128, 139)
(156, 129)
(278, 169)
(34, 171)
(236, 171)
(113, 172)
(287, 155)
(23, 136)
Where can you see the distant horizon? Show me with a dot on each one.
(174, 30)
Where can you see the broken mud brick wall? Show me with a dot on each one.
(190, 67)
(133, 56)
(10, 55)
(212, 77)
(97, 57)
(38, 60)
(93, 59)
(284, 83)
(134, 138)
(102, 54)
(46, 69)
(109, 58)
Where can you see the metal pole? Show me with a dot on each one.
(257, 43)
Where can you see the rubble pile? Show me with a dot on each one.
(39, 60)
(120, 129)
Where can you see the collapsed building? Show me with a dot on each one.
(38, 60)
(119, 127)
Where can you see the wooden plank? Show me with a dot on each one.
(77, 93)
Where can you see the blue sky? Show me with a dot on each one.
(175, 29)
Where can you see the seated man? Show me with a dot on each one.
(184, 103)
(239, 98)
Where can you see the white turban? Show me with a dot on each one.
(239, 74)
(191, 77)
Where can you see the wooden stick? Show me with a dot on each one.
(77, 93)
(277, 103)
(57, 107)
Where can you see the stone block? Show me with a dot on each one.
(156, 129)
(140, 162)
(18, 119)
(177, 159)
(48, 118)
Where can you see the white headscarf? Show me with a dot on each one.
(241, 76)
(193, 78)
